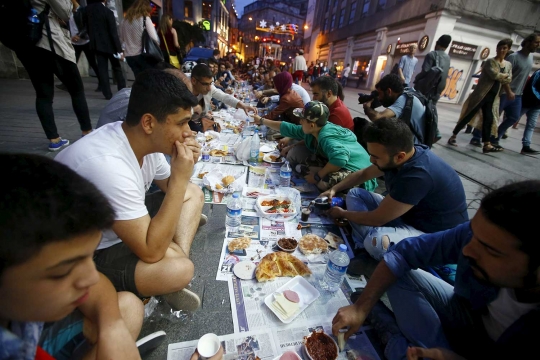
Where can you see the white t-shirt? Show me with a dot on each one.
(106, 159)
(503, 312)
(346, 71)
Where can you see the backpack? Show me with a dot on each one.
(431, 117)
(395, 69)
(17, 32)
(360, 125)
(426, 83)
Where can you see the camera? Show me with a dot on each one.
(374, 95)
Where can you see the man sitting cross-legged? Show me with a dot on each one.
(146, 250)
(331, 152)
(492, 312)
(52, 299)
(424, 193)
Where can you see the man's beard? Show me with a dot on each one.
(387, 101)
(324, 99)
(390, 166)
(474, 265)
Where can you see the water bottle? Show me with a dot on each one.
(335, 269)
(264, 131)
(254, 147)
(34, 16)
(285, 175)
(234, 214)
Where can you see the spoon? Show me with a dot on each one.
(300, 226)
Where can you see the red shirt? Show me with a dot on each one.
(340, 115)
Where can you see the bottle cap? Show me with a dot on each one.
(235, 195)
(343, 247)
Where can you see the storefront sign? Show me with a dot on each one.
(423, 43)
(462, 50)
(484, 54)
(389, 49)
(403, 48)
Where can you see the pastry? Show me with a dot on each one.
(312, 244)
(239, 244)
(219, 187)
(201, 175)
(228, 180)
(280, 264)
(217, 152)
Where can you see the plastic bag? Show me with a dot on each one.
(243, 149)
(240, 115)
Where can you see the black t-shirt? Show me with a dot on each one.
(432, 187)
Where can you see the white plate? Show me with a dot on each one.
(309, 356)
(265, 148)
(245, 270)
(305, 291)
(266, 158)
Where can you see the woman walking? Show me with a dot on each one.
(131, 31)
(42, 62)
(496, 73)
(168, 39)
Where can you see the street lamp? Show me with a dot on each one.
(250, 18)
(306, 27)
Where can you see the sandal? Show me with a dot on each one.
(475, 142)
(491, 148)
(452, 141)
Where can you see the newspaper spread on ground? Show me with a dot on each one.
(250, 313)
(269, 344)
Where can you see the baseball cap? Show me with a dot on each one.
(313, 111)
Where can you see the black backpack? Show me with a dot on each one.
(395, 69)
(17, 32)
(431, 117)
(427, 83)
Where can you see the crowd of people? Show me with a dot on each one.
(111, 220)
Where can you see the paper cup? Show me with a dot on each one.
(208, 346)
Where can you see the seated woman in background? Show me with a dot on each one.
(288, 99)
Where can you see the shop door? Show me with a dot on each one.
(458, 74)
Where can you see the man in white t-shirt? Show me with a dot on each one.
(146, 250)
(345, 75)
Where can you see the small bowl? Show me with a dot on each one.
(307, 352)
(287, 250)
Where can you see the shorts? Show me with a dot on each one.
(64, 339)
(118, 262)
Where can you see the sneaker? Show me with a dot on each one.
(150, 342)
(505, 136)
(203, 220)
(183, 300)
(382, 319)
(526, 150)
(58, 145)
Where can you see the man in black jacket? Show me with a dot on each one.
(105, 43)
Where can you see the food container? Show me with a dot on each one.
(276, 206)
(327, 339)
(285, 244)
(290, 194)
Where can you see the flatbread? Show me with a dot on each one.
(227, 180)
(239, 244)
(312, 244)
(280, 264)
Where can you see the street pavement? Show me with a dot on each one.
(21, 132)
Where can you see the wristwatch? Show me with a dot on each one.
(317, 177)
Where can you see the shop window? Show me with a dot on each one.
(381, 5)
(341, 18)
(188, 9)
(353, 12)
(365, 8)
(333, 23)
(206, 10)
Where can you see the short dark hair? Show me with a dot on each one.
(43, 201)
(508, 42)
(163, 65)
(158, 93)
(216, 52)
(326, 83)
(211, 61)
(530, 38)
(392, 133)
(390, 81)
(201, 71)
(511, 207)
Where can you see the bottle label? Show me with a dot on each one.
(232, 212)
(285, 173)
(336, 268)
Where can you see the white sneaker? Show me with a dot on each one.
(150, 342)
(203, 220)
(183, 300)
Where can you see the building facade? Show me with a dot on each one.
(372, 35)
(273, 28)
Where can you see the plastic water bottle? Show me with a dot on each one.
(34, 16)
(335, 269)
(264, 131)
(254, 147)
(234, 214)
(285, 173)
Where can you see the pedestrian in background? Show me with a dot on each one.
(168, 39)
(407, 64)
(43, 62)
(299, 66)
(131, 32)
(345, 75)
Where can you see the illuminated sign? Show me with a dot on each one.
(403, 48)
(423, 43)
(206, 25)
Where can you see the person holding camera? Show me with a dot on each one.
(390, 94)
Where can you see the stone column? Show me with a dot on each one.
(380, 44)
(348, 52)
(330, 54)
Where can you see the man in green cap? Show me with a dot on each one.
(330, 152)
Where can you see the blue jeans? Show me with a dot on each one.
(430, 315)
(373, 238)
(512, 112)
(532, 118)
